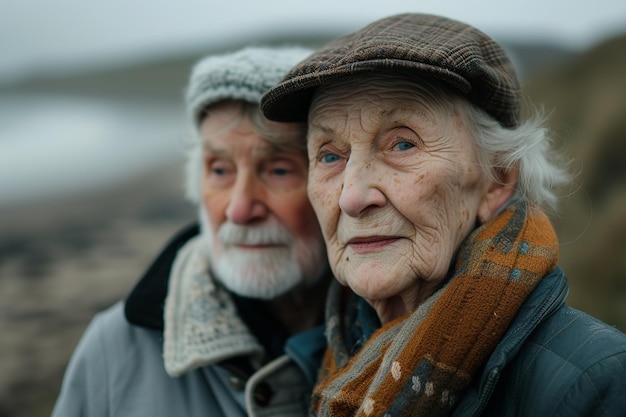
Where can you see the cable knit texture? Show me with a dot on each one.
(243, 75)
(202, 326)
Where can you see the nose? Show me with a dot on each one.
(247, 200)
(361, 187)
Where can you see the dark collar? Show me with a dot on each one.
(145, 304)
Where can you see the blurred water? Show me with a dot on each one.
(52, 145)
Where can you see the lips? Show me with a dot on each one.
(367, 244)
(257, 246)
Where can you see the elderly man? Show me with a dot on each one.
(227, 320)
(430, 191)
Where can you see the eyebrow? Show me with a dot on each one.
(399, 113)
(393, 113)
(265, 151)
(317, 126)
(220, 152)
(396, 114)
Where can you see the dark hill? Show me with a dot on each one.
(587, 98)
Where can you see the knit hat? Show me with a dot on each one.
(461, 56)
(242, 75)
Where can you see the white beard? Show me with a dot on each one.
(264, 273)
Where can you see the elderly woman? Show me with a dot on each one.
(431, 195)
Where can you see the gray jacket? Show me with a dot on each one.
(117, 368)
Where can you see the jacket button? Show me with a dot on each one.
(263, 394)
(236, 383)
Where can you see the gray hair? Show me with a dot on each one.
(528, 147)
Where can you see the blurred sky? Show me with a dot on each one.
(38, 34)
(55, 144)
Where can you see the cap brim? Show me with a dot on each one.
(289, 100)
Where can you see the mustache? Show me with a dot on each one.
(265, 234)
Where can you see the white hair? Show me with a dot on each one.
(193, 172)
(266, 274)
(528, 147)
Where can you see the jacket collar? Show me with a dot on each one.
(145, 307)
(547, 297)
(145, 304)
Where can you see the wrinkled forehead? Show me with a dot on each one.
(378, 97)
(227, 116)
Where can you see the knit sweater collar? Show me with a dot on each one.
(146, 304)
(202, 325)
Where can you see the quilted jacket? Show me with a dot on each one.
(553, 361)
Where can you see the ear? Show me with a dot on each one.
(498, 193)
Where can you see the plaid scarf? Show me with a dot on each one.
(420, 364)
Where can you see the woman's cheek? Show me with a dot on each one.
(338, 266)
(324, 197)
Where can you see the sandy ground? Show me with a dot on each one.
(62, 261)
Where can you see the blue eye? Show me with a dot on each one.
(219, 171)
(403, 146)
(330, 157)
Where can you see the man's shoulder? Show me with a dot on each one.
(109, 331)
(112, 316)
(107, 322)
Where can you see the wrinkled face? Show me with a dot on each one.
(394, 181)
(263, 235)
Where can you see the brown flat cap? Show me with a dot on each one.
(411, 44)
